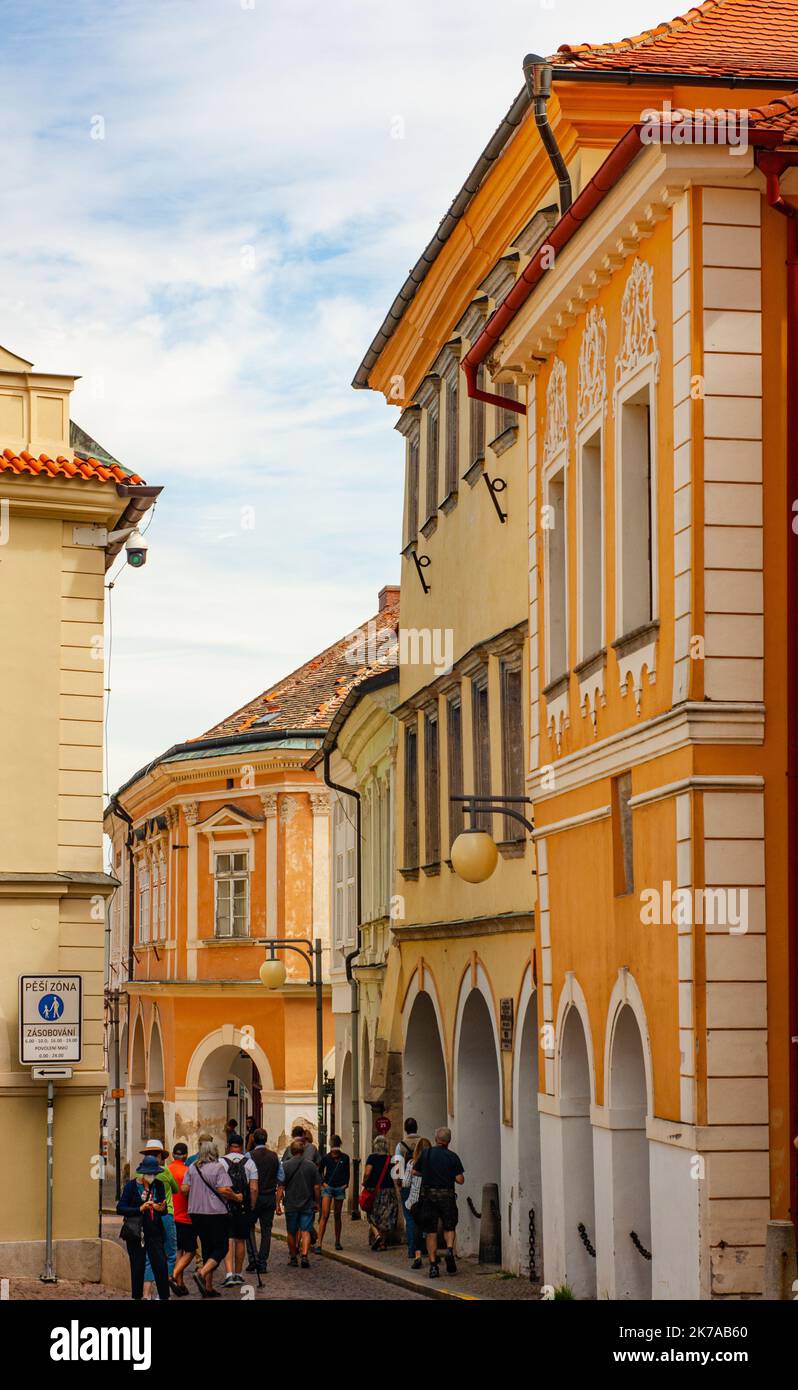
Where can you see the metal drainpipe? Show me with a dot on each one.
(537, 75)
(773, 166)
(121, 813)
(354, 1009)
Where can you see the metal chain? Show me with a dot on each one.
(635, 1239)
(583, 1236)
(533, 1272)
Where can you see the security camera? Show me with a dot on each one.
(136, 548)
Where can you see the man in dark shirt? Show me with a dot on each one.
(270, 1177)
(440, 1168)
(301, 1195)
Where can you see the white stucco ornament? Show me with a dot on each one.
(638, 325)
(556, 412)
(591, 393)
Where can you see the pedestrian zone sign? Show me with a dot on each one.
(50, 1018)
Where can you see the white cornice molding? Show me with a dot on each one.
(570, 822)
(702, 723)
(717, 783)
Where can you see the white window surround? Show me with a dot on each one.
(592, 426)
(637, 369)
(592, 681)
(556, 467)
(235, 874)
(644, 378)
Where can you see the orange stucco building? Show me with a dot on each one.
(643, 331)
(221, 844)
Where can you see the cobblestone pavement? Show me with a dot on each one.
(334, 1278)
(324, 1281)
(472, 1281)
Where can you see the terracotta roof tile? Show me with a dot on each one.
(780, 115)
(734, 38)
(90, 468)
(309, 696)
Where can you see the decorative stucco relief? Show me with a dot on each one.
(556, 412)
(638, 325)
(591, 394)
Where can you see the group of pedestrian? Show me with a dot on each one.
(426, 1175)
(183, 1208)
(200, 1207)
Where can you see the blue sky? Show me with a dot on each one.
(215, 265)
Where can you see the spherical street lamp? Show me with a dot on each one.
(474, 856)
(272, 973)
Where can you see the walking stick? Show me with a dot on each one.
(253, 1254)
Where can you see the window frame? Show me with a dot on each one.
(231, 877)
(591, 428)
(432, 786)
(432, 427)
(512, 666)
(144, 892)
(410, 828)
(455, 774)
(480, 685)
(557, 465)
(643, 379)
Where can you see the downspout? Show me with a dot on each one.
(773, 165)
(119, 810)
(537, 75)
(592, 194)
(354, 1008)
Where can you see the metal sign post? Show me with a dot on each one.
(49, 1268)
(50, 1034)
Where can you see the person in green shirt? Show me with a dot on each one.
(155, 1149)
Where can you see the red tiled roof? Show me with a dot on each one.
(734, 38)
(64, 467)
(310, 696)
(780, 115)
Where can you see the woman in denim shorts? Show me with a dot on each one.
(334, 1182)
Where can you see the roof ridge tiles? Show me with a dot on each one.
(676, 25)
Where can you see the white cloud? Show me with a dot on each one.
(215, 268)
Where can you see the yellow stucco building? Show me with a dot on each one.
(59, 496)
(621, 275)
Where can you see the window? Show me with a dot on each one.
(155, 900)
(623, 845)
(232, 894)
(144, 902)
(162, 895)
(351, 893)
(452, 406)
(454, 747)
(591, 542)
(477, 422)
(481, 732)
(512, 743)
(556, 578)
(412, 490)
(635, 522)
(507, 419)
(432, 460)
(411, 798)
(339, 897)
(432, 790)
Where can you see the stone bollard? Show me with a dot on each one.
(781, 1269)
(490, 1234)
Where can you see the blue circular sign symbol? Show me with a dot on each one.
(51, 1007)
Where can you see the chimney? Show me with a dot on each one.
(388, 596)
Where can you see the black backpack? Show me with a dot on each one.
(238, 1181)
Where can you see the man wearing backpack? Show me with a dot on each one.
(270, 1177)
(244, 1184)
